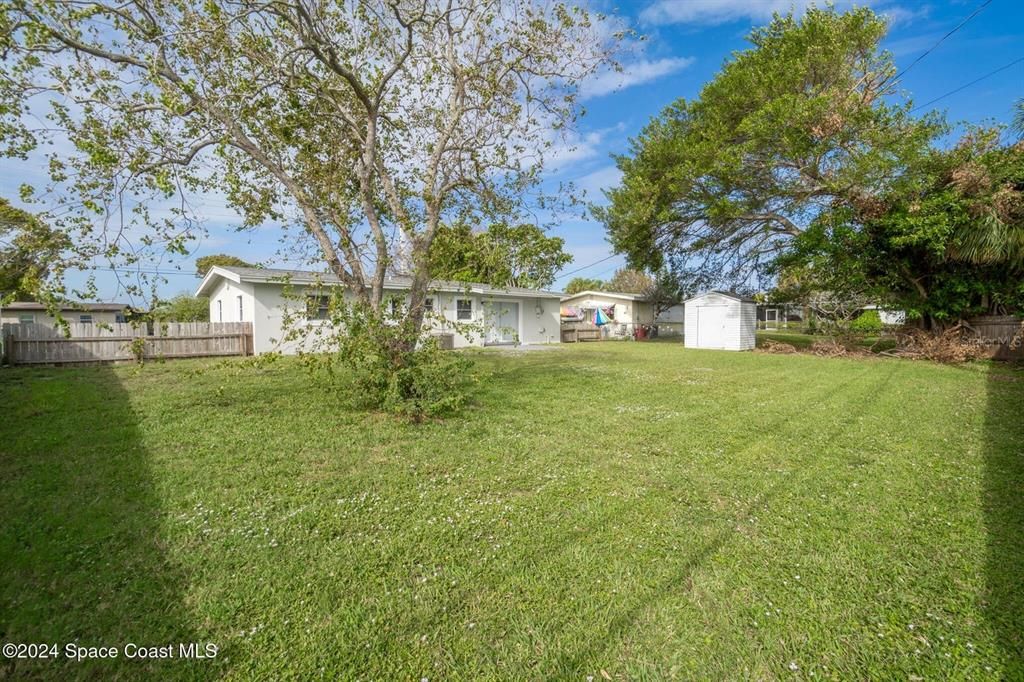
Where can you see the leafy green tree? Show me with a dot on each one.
(182, 308)
(28, 250)
(204, 263)
(1018, 118)
(578, 284)
(503, 255)
(942, 250)
(665, 291)
(629, 281)
(361, 119)
(721, 185)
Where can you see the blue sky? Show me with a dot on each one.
(687, 42)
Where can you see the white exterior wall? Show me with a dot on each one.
(740, 321)
(226, 294)
(626, 312)
(264, 304)
(676, 315)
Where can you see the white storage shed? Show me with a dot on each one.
(721, 320)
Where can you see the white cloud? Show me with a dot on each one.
(711, 12)
(572, 147)
(715, 11)
(635, 73)
(601, 179)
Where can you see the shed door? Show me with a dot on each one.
(711, 326)
(502, 319)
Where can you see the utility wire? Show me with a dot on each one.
(573, 272)
(931, 49)
(967, 85)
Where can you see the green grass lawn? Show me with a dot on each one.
(801, 340)
(639, 509)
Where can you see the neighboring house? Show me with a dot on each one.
(722, 320)
(257, 295)
(779, 315)
(82, 313)
(624, 312)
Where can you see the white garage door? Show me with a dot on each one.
(711, 326)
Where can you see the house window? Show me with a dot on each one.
(240, 316)
(318, 308)
(464, 309)
(428, 305)
(85, 319)
(394, 305)
(119, 318)
(220, 311)
(27, 318)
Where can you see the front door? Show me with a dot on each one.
(711, 326)
(502, 319)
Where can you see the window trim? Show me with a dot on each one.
(459, 309)
(241, 308)
(82, 320)
(322, 311)
(31, 318)
(220, 310)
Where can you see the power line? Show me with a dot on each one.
(943, 38)
(967, 85)
(573, 272)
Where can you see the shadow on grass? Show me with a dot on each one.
(84, 559)
(1004, 515)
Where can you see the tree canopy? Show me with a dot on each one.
(502, 255)
(578, 284)
(29, 248)
(629, 281)
(719, 186)
(351, 122)
(204, 263)
(182, 308)
(942, 249)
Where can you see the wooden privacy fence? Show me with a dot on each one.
(573, 332)
(1003, 335)
(26, 344)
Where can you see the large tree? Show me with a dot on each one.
(354, 121)
(578, 284)
(943, 249)
(182, 308)
(29, 249)
(801, 122)
(502, 255)
(629, 281)
(204, 263)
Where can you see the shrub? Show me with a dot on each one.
(378, 362)
(868, 322)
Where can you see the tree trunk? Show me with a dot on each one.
(417, 292)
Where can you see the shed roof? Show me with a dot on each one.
(727, 294)
(397, 283)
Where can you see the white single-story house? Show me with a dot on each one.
(30, 312)
(625, 312)
(722, 320)
(257, 295)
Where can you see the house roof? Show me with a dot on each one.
(74, 307)
(605, 294)
(727, 294)
(397, 283)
